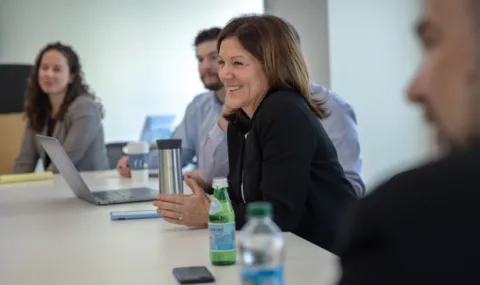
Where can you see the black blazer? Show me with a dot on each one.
(421, 227)
(288, 159)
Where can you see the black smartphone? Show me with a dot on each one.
(193, 275)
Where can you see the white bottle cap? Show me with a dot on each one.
(220, 182)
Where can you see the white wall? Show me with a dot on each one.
(367, 51)
(309, 17)
(138, 56)
(373, 55)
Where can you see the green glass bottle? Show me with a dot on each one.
(221, 225)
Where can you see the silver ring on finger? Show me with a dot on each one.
(180, 218)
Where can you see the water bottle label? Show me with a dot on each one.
(222, 236)
(138, 161)
(262, 276)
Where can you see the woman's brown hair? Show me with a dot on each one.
(37, 104)
(273, 43)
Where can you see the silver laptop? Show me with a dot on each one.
(69, 172)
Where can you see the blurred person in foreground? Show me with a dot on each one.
(422, 226)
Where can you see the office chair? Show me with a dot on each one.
(115, 152)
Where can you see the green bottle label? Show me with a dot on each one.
(222, 236)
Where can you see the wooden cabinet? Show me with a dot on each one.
(11, 131)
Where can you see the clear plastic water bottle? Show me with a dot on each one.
(261, 247)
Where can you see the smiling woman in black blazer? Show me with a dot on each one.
(277, 150)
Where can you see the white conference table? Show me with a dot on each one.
(48, 236)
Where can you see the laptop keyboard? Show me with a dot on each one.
(136, 194)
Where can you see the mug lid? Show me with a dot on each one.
(169, 144)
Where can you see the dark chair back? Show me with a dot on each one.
(115, 152)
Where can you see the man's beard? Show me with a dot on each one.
(212, 86)
(473, 96)
(473, 102)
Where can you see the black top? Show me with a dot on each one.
(288, 159)
(421, 227)
(50, 127)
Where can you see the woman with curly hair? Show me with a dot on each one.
(60, 104)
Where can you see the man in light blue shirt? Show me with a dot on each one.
(202, 113)
(341, 127)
